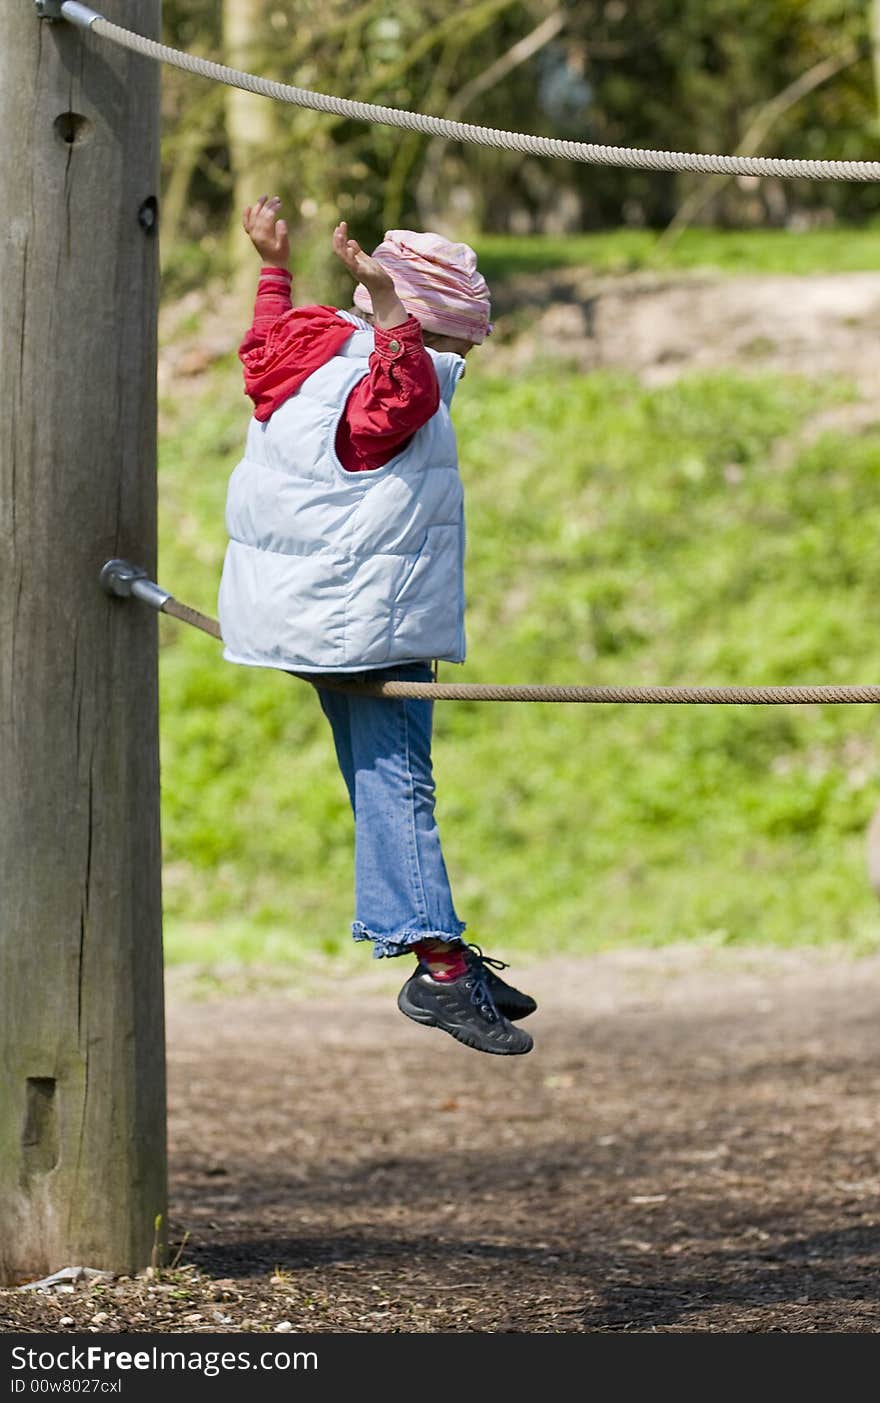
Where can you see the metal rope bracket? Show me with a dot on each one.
(121, 578)
(53, 10)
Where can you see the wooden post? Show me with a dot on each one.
(82, 1073)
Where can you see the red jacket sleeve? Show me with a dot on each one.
(399, 394)
(273, 300)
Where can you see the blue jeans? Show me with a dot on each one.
(402, 892)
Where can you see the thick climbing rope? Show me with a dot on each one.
(122, 578)
(590, 152)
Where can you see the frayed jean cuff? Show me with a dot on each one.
(399, 942)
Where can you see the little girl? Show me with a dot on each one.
(345, 559)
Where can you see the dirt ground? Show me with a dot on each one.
(691, 1147)
(660, 326)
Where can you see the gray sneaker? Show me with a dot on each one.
(465, 1009)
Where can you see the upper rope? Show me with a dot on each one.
(587, 151)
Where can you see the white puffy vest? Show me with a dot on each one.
(328, 570)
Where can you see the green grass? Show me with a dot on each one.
(615, 534)
(832, 250)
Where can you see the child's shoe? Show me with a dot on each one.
(510, 1002)
(465, 1009)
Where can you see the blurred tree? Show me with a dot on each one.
(250, 135)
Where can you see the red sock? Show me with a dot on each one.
(443, 959)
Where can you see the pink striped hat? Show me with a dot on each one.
(437, 282)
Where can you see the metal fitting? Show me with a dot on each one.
(78, 14)
(71, 10)
(122, 578)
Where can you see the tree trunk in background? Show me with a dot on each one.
(82, 1086)
(251, 136)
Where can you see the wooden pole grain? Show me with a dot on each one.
(82, 1072)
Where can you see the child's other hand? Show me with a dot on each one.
(267, 232)
(362, 267)
(388, 310)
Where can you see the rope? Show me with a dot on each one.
(465, 131)
(476, 691)
(192, 617)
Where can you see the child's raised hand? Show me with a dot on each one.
(362, 267)
(267, 232)
(388, 310)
